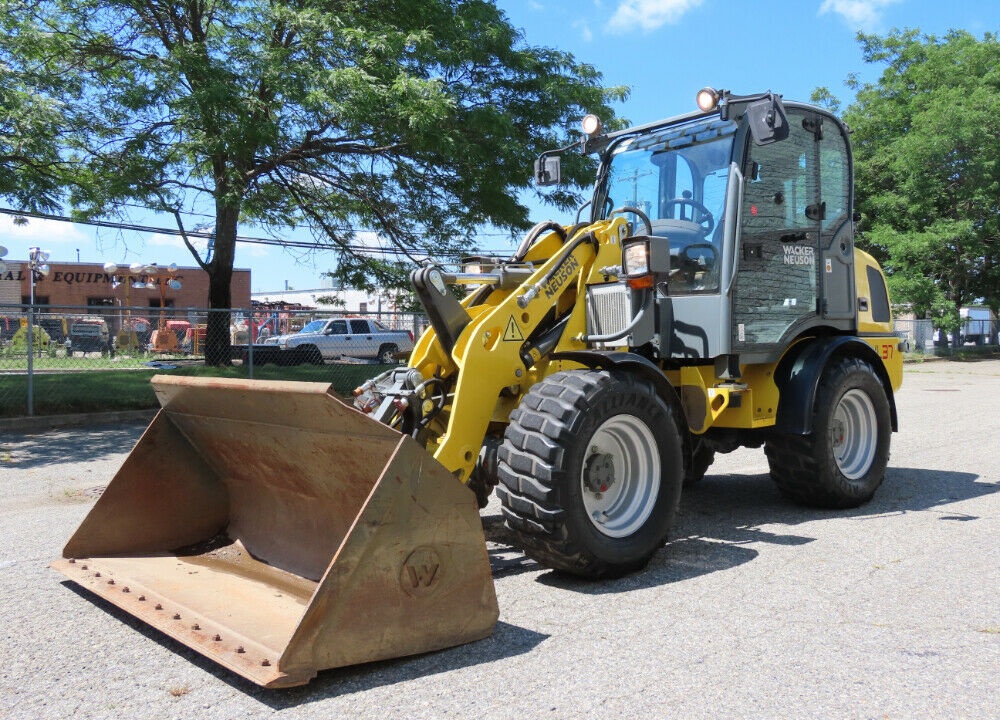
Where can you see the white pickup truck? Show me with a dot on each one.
(326, 340)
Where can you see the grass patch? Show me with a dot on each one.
(103, 390)
(78, 362)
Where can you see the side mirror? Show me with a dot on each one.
(767, 119)
(547, 170)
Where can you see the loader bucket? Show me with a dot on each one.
(279, 532)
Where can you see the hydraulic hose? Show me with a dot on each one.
(533, 235)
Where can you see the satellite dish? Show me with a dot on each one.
(3, 251)
(110, 267)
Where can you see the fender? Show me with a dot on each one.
(799, 371)
(631, 362)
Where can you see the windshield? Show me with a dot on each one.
(678, 177)
(314, 326)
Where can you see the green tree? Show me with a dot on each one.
(926, 140)
(30, 167)
(415, 118)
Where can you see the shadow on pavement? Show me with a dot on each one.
(506, 641)
(55, 447)
(720, 516)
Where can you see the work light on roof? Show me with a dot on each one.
(708, 99)
(591, 125)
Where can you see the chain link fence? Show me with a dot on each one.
(915, 335)
(94, 358)
(920, 336)
(67, 359)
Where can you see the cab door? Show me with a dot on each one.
(777, 289)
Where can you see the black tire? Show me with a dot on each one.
(387, 354)
(311, 355)
(842, 462)
(700, 459)
(572, 430)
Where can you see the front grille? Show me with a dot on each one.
(609, 310)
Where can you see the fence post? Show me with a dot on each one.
(31, 352)
(250, 328)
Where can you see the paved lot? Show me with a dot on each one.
(756, 609)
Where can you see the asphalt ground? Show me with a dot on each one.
(756, 609)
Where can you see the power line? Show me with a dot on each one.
(273, 242)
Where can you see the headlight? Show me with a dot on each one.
(635, 264)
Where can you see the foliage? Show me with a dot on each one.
(416, 118)
(40, 340)
(926, 139)
(30, 168)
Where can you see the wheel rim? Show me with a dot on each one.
(854, 434)
(620, 476)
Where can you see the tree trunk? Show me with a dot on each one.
(220, 274)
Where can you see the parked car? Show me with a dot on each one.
(90, 335)
(326, 340)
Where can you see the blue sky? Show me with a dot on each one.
(664, 50)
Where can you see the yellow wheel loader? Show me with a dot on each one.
(708, 297)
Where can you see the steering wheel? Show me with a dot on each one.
(638, 213)
(689, 265)
(706, 223)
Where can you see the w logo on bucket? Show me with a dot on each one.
(421, 572)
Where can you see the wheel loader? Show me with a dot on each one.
(707, 297)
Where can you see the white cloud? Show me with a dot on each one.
(175, 241)
(857, 13)
(584, 29)
(40, 232)
(649, 15)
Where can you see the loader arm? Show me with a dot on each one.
(498, 340)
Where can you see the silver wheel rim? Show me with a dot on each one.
(623, 450)
(854, 434)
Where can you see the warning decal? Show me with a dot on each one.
(513, 332)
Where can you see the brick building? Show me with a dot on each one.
(86, 284)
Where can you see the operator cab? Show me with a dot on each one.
(743, 211)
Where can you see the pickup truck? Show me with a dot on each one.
(325, 340)
(90, 335)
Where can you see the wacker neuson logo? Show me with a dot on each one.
(565, 271)
(799, 255)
